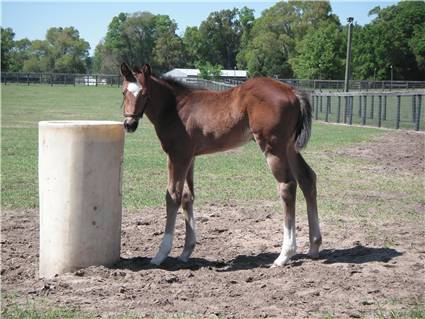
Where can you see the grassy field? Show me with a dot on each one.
(219, 178)
(238, 177)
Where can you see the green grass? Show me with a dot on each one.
(241, 176)
(40, 310)
(220, 177)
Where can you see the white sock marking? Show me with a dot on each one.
(164, 249)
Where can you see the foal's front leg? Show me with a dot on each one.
(177, 171)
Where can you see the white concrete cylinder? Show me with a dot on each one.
(80, 170)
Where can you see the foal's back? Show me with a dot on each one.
(222, 120)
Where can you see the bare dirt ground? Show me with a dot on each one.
(402, 150)
(357, 274)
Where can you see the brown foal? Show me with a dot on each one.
(191, 122)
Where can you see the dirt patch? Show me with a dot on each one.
(395, 150)
(229, 273)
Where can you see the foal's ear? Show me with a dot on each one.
(147, 70)
(126, 72)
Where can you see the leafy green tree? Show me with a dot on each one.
(220, 35)
(417, 45)
(7, 44)
(20, 53)
(274, 35)
(129, 39)
(62, 51)
(219, 38)
(193, 46)
(13, 53)
(168, 51)
(246, 17)
(67, 52)
(139, 38)
(40, 59)
(267, 56)
(320, 54)
(209, 71)
(387, 41)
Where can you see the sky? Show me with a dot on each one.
(32, 19)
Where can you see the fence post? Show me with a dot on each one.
(28, 79)
(397, 120)
(413, 108)
(418, 112)
(321, 104)
(372, 106)
(351, 98)
(312, 103)
(317, 108)
(365, 108)
(360, 105)
(96, 79)
(346, 107)
(51, 79)
(328, 106)
(338, 110)
(364, 111)
(384, 113)
(380, 111)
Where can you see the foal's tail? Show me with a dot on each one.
(303, 132)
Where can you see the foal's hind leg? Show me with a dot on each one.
(177, 170)
(187, 205)
(307, 180)
(287, 189)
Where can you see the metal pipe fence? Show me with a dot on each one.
(60, 79)
(382, 109)
(115, 79)
(355, 85)
(208, 84)
(374, 104)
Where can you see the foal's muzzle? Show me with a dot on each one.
(130, 124)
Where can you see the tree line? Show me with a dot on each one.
(290, 39)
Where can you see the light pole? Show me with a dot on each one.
(348, 60)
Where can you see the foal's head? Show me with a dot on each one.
(136, 95)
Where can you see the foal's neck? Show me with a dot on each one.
(162, 101)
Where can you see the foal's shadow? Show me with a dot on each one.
(356, 255)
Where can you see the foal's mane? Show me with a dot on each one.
(178, 86)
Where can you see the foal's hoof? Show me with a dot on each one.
(282, 260)
(183, 259)
(157, 260)
(313, 254)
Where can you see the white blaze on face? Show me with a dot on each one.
(134, 88)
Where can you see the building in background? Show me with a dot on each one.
(183, 74)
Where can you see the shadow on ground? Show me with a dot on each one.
(356, 255)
